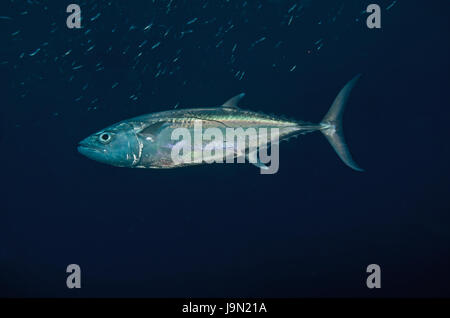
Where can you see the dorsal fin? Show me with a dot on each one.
(234, 101)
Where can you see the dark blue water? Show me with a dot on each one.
(225, 230)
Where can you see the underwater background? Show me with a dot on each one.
(309, 230)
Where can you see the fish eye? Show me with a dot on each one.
(105, 138)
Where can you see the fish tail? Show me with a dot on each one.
(332, 128)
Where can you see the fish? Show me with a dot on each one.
(147, 141)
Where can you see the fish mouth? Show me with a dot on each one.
(93, 153)
(87, 148)
(82, 149)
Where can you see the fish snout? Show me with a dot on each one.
(87, 148)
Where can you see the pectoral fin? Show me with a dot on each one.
(152, 130)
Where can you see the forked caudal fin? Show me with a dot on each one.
(331, 125)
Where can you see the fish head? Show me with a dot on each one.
(116, 145)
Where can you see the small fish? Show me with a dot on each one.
(192, 21)
(148, 27)
(95, 17)
(35, 52)
(146, 141)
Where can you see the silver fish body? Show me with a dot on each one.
(147, 141)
